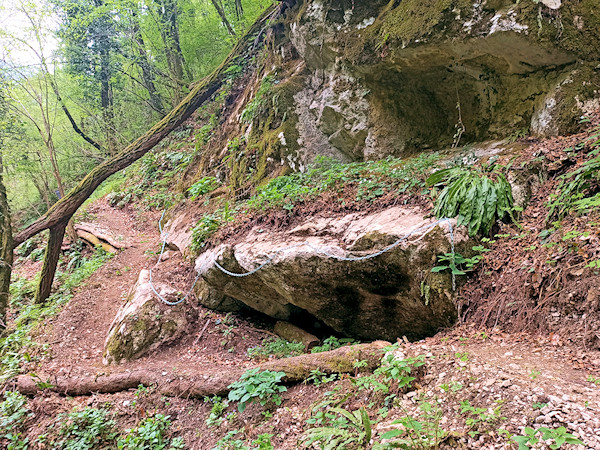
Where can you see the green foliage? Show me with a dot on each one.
(88, 429)
(229, 442)
(331, 343)
(342, 429)
(372, 179)
(259, 101)
(277, 347)
(318, 378)
(205, 186)
(559, 436)
(219, 406)
(457, 263)
(423, 434)
(150, 434)
(480, 419)
(579, 190)
(478, 196)
(13, 414)
(255, 386)
(399, 370)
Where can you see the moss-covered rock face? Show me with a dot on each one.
(389, 77)
(387, 297)
(143, 323)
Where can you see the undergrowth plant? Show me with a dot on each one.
(477, 196)
(90, 428)
(558, 436)
(13, 414)
(416, 433)
(256, 386)
(331, 343)
(341, 429)
(579, 190)
(277, 347)
(150, 434)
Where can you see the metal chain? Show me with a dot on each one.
(163, 237)
(424, 229)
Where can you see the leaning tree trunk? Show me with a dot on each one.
(57, 233)
(62, 211)
(6, 250)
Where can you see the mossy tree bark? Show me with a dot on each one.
(6, 250)
(62, 211)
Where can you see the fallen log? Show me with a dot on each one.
(292, 333)
(89, 237)
(199, 385)
(102, 235)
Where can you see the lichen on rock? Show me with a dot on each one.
(144, 322)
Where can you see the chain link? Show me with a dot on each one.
(324, 252)
(163, 237)
(425, 229)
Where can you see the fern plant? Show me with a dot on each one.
(350, 430)
(477, 196)
(578, 190)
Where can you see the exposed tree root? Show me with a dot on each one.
(200, 385)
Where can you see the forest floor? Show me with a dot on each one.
(484, 384)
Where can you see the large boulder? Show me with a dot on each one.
(144, 322)
(385, 297)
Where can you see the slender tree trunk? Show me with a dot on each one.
(144, 65)
(62, 211)
(239, 9)
(168, 14)
(6, 252)
(57, 234)
(221, 12)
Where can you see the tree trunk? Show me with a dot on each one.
(168, 14)
(198, 385)
(144, 65)
(62, 211)
(6, 252)
(239, 9)
(221, 12)
(57, 233)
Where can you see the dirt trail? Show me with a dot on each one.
(76, 336)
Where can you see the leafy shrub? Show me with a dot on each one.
(150, 434)
(399, 370)
(255, 386)
(422, 434)
(477, 196)
(87, 429)
(219, 406)
(277, 347)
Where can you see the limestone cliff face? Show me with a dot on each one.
(364, 79)
(388, 77)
